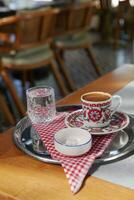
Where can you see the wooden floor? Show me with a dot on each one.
(80, 68)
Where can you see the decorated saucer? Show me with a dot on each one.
(119, 121)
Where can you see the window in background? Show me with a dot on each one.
(131, 2)
(114, 3)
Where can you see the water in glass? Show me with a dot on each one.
(41, 104)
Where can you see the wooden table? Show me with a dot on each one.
(24, 178)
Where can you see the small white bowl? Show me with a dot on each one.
(72, 141)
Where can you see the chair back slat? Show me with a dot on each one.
(32, 28)
(46, 26)
(60, 23)
(89, 14)
(73, 18)
(80, 16)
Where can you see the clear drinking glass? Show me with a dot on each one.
(41, 104)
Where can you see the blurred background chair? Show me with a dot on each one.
(26, 46)
(74, 22)
(9, 86)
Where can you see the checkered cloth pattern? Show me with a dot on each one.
(75, 168)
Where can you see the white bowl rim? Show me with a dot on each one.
(73, 145)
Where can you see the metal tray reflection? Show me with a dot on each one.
(121, 147)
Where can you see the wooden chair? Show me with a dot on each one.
(12, 90)
(27, 46)
(73, 24)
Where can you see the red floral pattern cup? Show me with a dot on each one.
(98, 107)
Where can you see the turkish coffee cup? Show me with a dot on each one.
(98, 108)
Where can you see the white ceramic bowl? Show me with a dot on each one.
(72, 141)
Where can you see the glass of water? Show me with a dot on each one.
(41, 104)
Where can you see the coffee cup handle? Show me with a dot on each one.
(116, 102)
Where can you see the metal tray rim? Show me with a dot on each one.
(128, 151)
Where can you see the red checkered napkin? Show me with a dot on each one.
(76, 168)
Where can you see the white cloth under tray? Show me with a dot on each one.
(121, 172)
(127, 94)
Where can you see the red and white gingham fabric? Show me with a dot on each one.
(75, 168)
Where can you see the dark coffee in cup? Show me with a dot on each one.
(96, 97)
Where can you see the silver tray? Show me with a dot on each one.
(121, 147)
